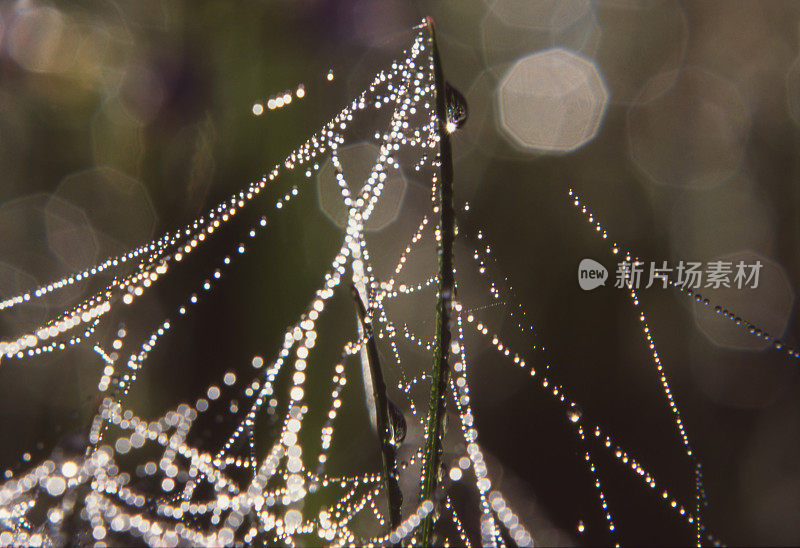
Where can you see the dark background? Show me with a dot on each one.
(119, 121)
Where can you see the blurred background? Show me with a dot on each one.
(678, 123)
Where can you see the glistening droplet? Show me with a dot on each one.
(574, 413)
(398, 423)
(456, 105)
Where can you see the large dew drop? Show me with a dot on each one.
(457, 111)
(398, 422)
(574, 413)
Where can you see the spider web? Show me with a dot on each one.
(268, 479)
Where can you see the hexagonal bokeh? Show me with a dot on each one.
(639, 40)
(552, 101)
(15, 281)
(117, 205)
(142, 91)
(768, 306)
(552, 15)
(722, 220)
(43, 239)
(41, 38)
(69, 234)
(357, 161)
(513, 29)
(689, 132)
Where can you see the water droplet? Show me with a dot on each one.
(398, 423)
(456, 105)
(574, 413)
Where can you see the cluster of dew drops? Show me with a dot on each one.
(37, 505)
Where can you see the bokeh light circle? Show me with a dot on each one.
(768, 306)
(639, 41)
(721, 220)
(690, 131)
(41, 39)
(117, 206)
(513, 30)
(552, 15)
(552, 101)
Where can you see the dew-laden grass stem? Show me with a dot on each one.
(388, 451)
(441, 369)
